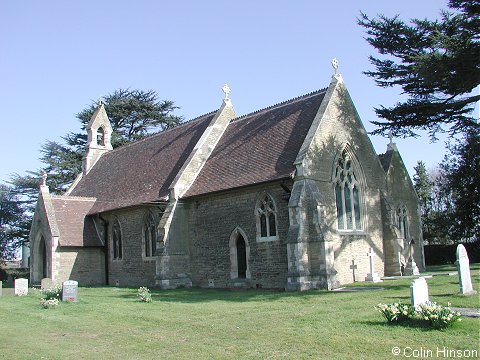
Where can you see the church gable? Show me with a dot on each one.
(75, 228)
(336, 126)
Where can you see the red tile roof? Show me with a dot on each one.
(143, 171)
(75, 228)
(259, 147)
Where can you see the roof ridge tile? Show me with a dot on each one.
(283, 103)
(159, 133)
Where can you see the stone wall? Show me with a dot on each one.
(212, 221)
(338, 128)
(133, 269)
(85, 265)
(402, 192)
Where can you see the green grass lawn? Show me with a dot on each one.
(109, 323)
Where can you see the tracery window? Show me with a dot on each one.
(117, 241)
(347, 195)
(149, 237)
(266, 219)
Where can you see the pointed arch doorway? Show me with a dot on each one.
(40, 264)
(239, 255)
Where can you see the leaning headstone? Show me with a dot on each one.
(70, 290)
(46, 283)
(21, 287)
(463, 266)
(372, 276)
(419, 292)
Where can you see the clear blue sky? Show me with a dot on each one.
(58, 56)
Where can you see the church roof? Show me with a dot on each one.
(255, 148)
(143, 171)
(75, 229)
(259, 147)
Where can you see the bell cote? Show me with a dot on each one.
(99, 131)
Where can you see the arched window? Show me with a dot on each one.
(101, 136)
(402, 220)
(117, 241)
(149, 237)
(347, 194)
(266, 219)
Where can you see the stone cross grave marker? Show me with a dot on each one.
(419, 291)
(353, 267)
(21, 287)
(70, 290)
(46, 283)
(372, 276)
(463, 266)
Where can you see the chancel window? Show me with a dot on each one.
(347, 195)
(117, 241)
(402, 221)
(266, 219)
(150, 237)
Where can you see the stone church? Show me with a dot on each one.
(292, 196)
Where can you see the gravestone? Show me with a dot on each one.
(70, 290)
(419, 292)
(1, 285)
(463, 266)
(21, 287)
(372, 276)
(411, 269)
(46, 283)
(353, 267)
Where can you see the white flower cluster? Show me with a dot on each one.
(437, 316)
(144, 294)
(50, 303)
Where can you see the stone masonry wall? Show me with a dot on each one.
(401, 192)
(340, 127)
(133, 269)
(213, 218)
(85, 265)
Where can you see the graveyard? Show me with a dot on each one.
(110, 323)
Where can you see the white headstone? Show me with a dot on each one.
(46, 283)
(463, 266)
(1, 285)
(21, 287)
(372, 276)
(70, 290)
(419, 291)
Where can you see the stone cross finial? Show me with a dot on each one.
(226, 90)
(390, 136)
(335, 66)
(100, 101)
(44, 178)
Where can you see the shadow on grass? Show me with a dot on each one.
(198, 295)
(410, 324)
